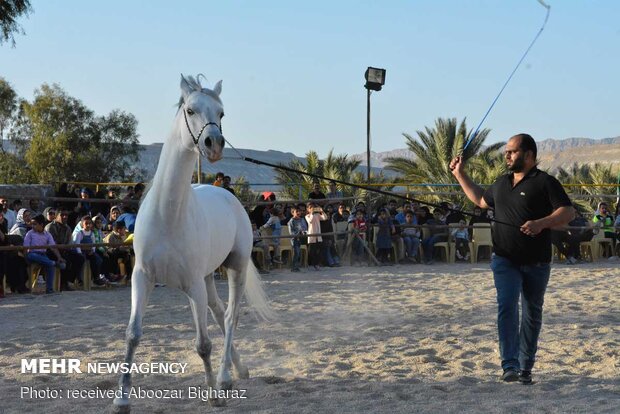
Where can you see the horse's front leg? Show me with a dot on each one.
(140, 291)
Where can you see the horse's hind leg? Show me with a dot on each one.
(198, 302)
(140, 291)
(236, 286)
(217, 310)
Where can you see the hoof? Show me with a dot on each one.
(241, 373)
(225, 385)
(121, 406)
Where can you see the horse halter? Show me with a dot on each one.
(195, 139)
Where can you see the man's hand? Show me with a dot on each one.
(456, 165)
(532, 227)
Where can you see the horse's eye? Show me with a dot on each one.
(190, 111)
(222, 115)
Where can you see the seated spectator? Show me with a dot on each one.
(84, 207)
(115, 213)
(411, 237)
(39, 237)
(453, 213)
(438, 233)
(22, 223)
(11, 263)
(603, 218)
(50, 215)
(117, 253)
(85, 236)
(422, 215)
(461, 242)
(274, 228)
(297, 226)
(401, 217)
(61, 233)
(568, 241)
(128, 216)
(480, 216)
(35, 207)
(9, 214)
(263, 268)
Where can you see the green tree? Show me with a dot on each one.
(62, 140)
(13, 170)
(10, 10)
(436, 147)
(8, 108)
(584, 194)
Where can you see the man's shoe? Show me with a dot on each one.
(525, 377)
(510, 375)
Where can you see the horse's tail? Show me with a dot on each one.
(255, 294)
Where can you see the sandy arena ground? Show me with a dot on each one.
(401, 339)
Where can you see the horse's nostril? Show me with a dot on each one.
(208, 142)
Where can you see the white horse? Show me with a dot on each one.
(184, 232)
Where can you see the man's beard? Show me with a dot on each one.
(517, 165)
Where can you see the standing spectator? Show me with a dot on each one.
(22, 223)
(84, 207)
(274, 228)
(39, 237)
(333, 191)
(296, 227)
(461, 241)
(138, 191)
(219, 179)
(384, 236)
(9, 215)
(85, 236)
(314, 217)
(35, 206)
(61, 233)
(226, 184)
(531, 202)
(316, 193)
(360, 226)
(330, 255)
(337, 216)
(411, 237)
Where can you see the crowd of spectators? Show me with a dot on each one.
(405, 232)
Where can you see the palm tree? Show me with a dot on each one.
(438, 146)
(587, 195)
(336, 167)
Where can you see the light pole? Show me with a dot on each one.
(375, 79)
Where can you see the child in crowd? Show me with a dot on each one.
(85, 236)
(260, 243)
(114, 254)
(411, 237)
(296, 227)
(274, 227)
(461, 241)
(438, 233)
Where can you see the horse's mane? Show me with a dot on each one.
(194, 83)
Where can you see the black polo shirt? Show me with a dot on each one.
(536, 196)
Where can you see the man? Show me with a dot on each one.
(226, 184)
(568, 241)
(528, 203)
(9, 215)
(61, 233)
(333, 191)
(316, 193)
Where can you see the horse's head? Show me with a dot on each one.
(202, 113)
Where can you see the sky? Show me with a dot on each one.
(293, 72)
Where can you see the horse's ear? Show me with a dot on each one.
(218, 88)
(186, 89)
